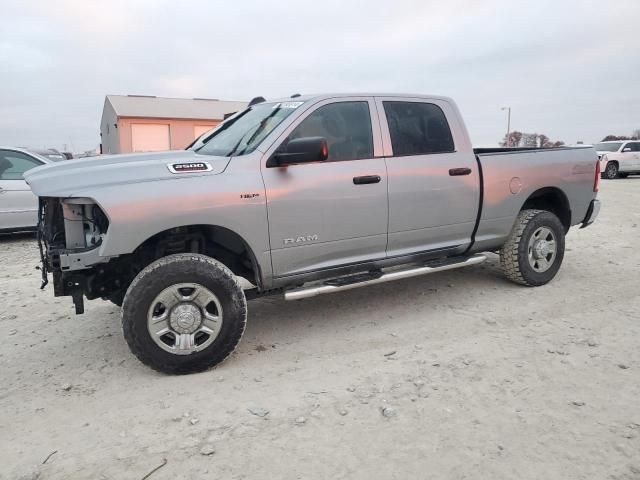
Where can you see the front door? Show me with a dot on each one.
(433, 176)
(18, 205)
(320, 214)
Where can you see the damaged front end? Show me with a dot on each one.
(70, 232)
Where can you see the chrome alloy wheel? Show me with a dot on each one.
(184, 318)
(611, 171)
(542, 249)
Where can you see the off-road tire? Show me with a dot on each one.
(611, 171)
(514, 256)
(171, 270)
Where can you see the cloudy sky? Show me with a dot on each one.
(569, 69)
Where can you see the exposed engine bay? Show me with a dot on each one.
(67, 227)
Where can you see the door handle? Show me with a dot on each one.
(456, 172)
(366, 179)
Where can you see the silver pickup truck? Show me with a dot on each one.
(300, 197)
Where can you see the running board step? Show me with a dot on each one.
(373, 278)
(353, 279)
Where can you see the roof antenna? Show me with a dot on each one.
(295, 95)
(256, 100)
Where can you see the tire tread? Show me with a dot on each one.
(183, 261)
(509, 252)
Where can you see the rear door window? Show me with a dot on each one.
(417, 128)
(346, 126)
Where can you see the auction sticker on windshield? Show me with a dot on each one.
(288, 105)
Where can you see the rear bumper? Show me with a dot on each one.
(592, 213)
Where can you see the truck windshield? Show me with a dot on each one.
(607, 147)
(242, 133)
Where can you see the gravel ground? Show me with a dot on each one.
(454, 375)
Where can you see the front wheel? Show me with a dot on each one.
(533, 253)
(183, 314)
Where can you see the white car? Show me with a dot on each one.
(18, 204)
(619, 158)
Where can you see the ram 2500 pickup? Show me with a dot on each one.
(300, 197)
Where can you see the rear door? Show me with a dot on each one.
(635, 152)
(320, 214)
(626, 157)
(433, 176)
(18, 205)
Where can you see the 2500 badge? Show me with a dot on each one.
(189, 167)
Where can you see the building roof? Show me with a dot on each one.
(163, 107)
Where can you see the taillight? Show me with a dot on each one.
(596, 181)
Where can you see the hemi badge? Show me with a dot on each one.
(189, 167)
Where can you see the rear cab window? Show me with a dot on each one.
(417, 128)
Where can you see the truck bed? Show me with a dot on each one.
(510, 175)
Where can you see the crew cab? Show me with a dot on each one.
(619, 159)
(300, 197)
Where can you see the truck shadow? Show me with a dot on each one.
(19, 237)
(274, 323)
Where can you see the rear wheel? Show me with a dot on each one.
(534, 251)
(184, 313)
(611, 171)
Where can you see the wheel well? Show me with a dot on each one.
(552, 200)
(216, 242)
(111, 280)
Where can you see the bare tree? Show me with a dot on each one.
(543, 140)
(531, 140)
(609, 138)
(512, 140)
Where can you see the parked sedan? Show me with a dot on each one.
(619, 158)
(18, 205)
(50, 153)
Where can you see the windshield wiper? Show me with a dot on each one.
(221, 129)
(260, 128)
(233, 150)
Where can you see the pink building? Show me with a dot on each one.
(137, 123)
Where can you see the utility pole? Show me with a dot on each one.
(508, 124)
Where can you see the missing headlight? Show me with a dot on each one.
(84, 223)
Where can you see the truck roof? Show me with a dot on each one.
(325, 96)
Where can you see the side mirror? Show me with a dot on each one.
(626, 149)
(300, 150)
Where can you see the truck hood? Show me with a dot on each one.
(79, 177)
